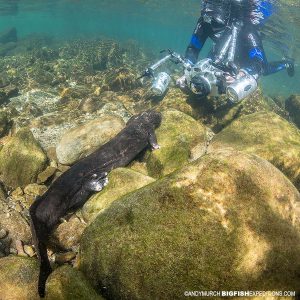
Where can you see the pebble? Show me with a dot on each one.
(63, 168)
(20, 249)
(29, 250)
(3, 233)
(13, 251)
(61, 258)
(17, 192)
(18, 207)
(46, 174)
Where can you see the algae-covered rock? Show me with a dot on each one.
(292, 105)
(15, 225)
(176, 99)
(21, 160)
(267, 135)
(122, 79)
(18, 278)
(67, 235)
(4, 123)
(67, 283)
(228, 221)
(121, 182)
(225, 114)
(177, 135)
(80, 141)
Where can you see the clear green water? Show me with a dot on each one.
(153, 24)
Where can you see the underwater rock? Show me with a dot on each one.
(176, 99)
(121, 182)
(21, 160)
(18, 278)
(292, 105)
(5, 123)
(35, 189)
(69, 283)
(45, 53)
(6, 48)
(41, 100)
(46, 175)
(7, 92)
(122, 79)
(177, 135)
(90, 105)
(267, 135)
(81, 141)
(62, 258)
(14, 224)
(8, 35)
(223, 222)
(218, 113)
(67, 235)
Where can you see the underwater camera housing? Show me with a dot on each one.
(160, 84)
(242, 87)
(205, 78)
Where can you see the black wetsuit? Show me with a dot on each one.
(217, 17)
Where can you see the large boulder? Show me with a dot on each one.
(228, 221)
(121, 182)
(80, 141)
(224, 114)
(69, 283)
(21, 160)
(176, 99)
(267, 135)
(18, 278)
(177, 135)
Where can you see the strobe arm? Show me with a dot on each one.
(173, 56)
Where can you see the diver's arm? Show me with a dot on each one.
(198, 39)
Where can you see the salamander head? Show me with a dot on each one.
(150, 117)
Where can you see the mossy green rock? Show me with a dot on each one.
(18, 278)
(224, 114)
(177, 135)
(176, 99)
(121, 182)
(21, 160)
(228, 221)
(67, 283)
(267, 135)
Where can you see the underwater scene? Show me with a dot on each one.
(149, 149)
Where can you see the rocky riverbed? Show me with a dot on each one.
(217, 207)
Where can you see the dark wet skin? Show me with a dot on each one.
(73, 188)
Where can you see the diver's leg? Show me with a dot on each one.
(198, 39)
(276, 66)
(256, 58)
(259, 60)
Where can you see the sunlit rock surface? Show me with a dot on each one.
(218, 223)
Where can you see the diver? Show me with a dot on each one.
(216, 22)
